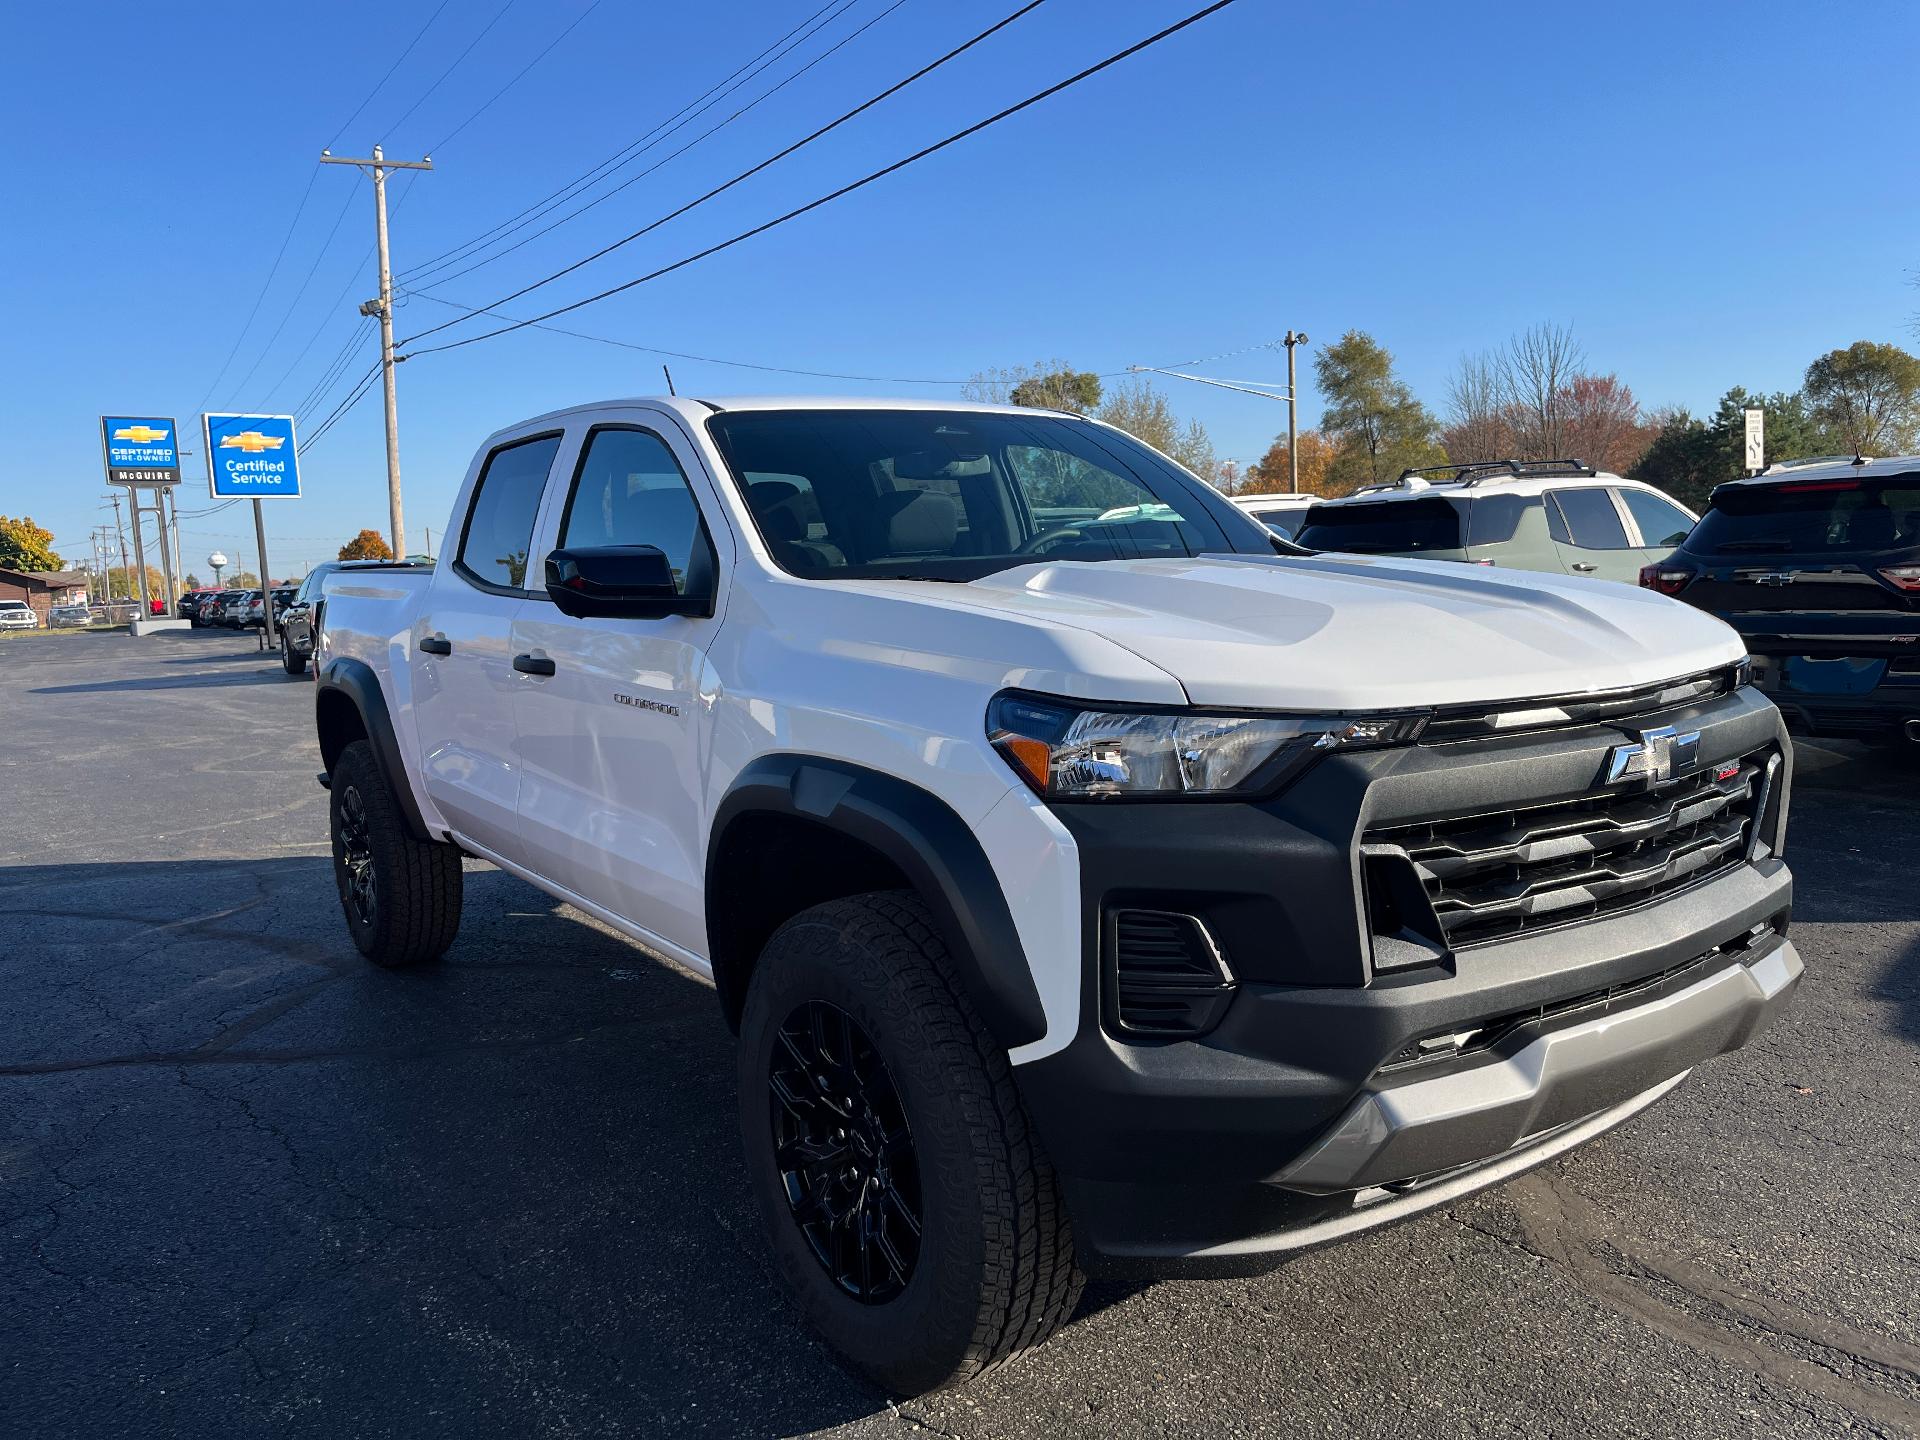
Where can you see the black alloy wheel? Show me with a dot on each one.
(845, 1153)
(355, 843)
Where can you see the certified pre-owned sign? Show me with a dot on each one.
(140, 450)
(251, 456)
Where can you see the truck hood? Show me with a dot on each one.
(1360, 632)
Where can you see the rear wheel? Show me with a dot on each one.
(291, 660)
(400, 894)
(912, 1213)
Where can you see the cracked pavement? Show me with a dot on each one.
(252, 1186)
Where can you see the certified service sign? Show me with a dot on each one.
(140, 450)
(251, 457)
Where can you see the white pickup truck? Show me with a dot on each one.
(1093, 878)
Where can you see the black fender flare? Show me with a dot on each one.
(928, 842)
(355, 680)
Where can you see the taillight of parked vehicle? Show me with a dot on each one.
(1664, 578)
(1905, 577)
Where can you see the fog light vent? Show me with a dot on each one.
(1167, 977)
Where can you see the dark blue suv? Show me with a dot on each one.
(1817, 565)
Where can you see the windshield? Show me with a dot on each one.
(1384, 527)
(955, 495)
(1811, 515)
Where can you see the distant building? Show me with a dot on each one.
(44, 589)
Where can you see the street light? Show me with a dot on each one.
(1293, 412)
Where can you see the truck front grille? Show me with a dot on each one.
(1495, 875)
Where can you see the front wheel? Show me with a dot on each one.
(913, 1215)
(400, 894)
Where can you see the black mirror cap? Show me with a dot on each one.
(632, 582)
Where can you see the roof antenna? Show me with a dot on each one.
(669, 374)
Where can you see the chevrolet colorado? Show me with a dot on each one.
(1093, 878)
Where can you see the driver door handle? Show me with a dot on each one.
(1584, 568)
(533, 664)
(436, 645)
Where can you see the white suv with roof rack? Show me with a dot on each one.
(1281, 513)
(1563, 517)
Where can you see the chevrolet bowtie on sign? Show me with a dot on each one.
(251, 456)
(140, 450)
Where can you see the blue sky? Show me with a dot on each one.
(1707, 194)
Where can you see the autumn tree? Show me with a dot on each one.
(1869, 395)
(1536, 368)
(367, 545)
(1271, 473)
(1376, 425)
(1601, 423)
(25, 546)
(123, 583)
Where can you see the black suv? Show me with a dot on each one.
(1817, 565)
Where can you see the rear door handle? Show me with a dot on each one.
(533, 664)
(1584, 568)
(436, 645)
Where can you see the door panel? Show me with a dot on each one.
(614, 743)
(1590, 535)
(465, 685)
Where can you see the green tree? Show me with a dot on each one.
(1688, 456)
(1376, 425)
(367, 545)
(1075, 390)
(1684, 459)
(192, 582)
(243, 580)
(25, 546)
(123, 583)
(1869, 395)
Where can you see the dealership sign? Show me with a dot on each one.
(140, 450)
(251, 457)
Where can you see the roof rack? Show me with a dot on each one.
(1476, 472)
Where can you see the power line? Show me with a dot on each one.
(272, 270)
(418, 36)
(775, 158)
(613, 160)
(703, 359)
(339, 411)
(847, 189)
(485, 31)
(519, 76)
(298, 296)
(676, 154)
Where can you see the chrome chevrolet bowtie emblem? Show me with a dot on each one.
(1656, 756)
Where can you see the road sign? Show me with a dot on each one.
(251, 457)
(1756, 437)
(140, 450)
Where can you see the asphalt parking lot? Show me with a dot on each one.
(251, 1186)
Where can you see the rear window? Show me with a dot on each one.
(1396, 527)
(1810, 517)
(1280, 522)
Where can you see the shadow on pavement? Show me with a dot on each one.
(177, 682)
(257, 1176)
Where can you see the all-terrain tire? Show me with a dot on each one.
(400, 894)
(995, 1273)
(291, 662)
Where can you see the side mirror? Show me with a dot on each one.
(632, 582)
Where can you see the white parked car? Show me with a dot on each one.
(1280, 513)
(1562, 517)
(18, 615)
(1092, 879)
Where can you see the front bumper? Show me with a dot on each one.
(1300, 1117)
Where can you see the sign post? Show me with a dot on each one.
(143, 451)
(1756, 419)
(254, 457)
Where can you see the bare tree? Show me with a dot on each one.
(1535, 368)
(1477, 425)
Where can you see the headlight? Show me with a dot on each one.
(1066, 752)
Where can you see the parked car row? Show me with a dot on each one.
(1816, 563)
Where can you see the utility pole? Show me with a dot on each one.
(1293, 412)
(377, 165)
(126, 570)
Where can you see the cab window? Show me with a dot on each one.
(1661, 522)
(631, 491)
(499, 532)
